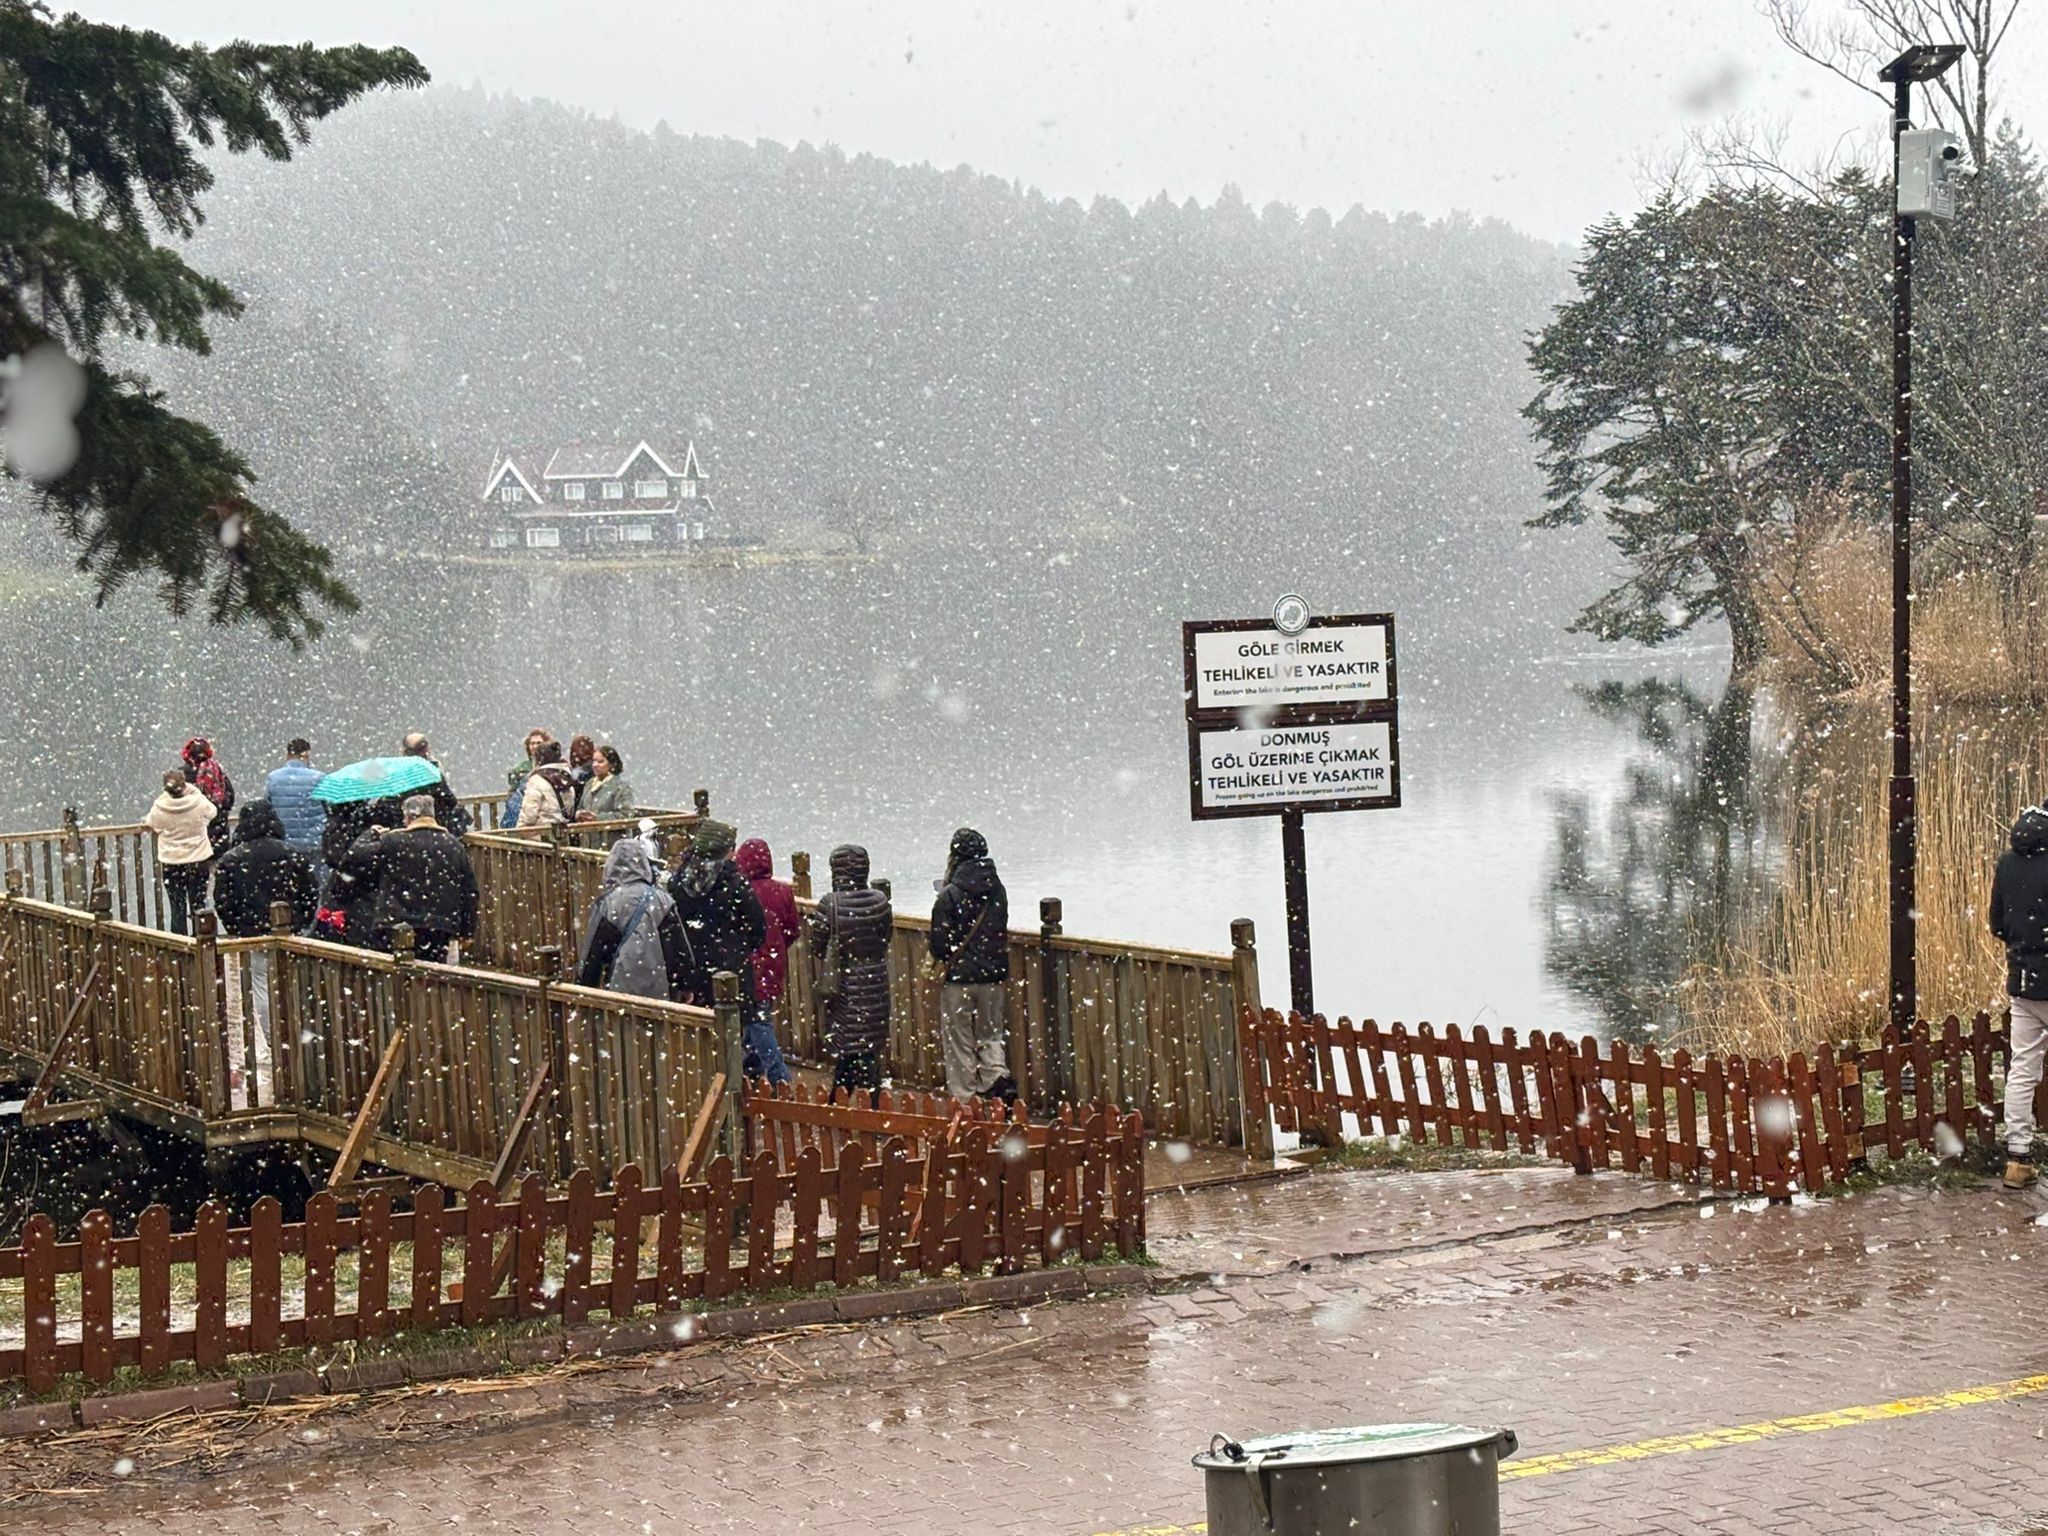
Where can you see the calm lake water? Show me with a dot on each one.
(1033, 692)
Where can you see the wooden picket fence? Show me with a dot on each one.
(786, 1119)
(1766, 1126)
(215, 1292)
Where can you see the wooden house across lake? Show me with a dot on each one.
(608, 496)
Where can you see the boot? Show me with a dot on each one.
(2019, 1173)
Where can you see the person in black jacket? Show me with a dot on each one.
(349, 899)
(259, 868)
(421, 877)
(849, 933)
(971, 938)
(2019, 917)
(721, 914)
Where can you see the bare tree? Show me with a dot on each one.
(861, 512)
(1859, 37)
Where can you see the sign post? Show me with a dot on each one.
(1288, 716)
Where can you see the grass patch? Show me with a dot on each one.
(1917, 1170)
(1406, 1156)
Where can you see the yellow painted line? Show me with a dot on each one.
(1771, 1429)
(1717, 1439)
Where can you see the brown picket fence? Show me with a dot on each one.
(786, 1119)
(1753, 1125)
(215, 1292)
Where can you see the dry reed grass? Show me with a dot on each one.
(1815, 965)
(1827, 619)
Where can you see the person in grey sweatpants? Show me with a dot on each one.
(971, 938)
(2019, 918)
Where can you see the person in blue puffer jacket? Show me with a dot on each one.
(289, 789)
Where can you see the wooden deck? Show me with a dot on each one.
(499, 1067)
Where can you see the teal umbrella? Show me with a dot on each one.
(377, 778)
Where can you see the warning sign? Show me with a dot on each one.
(1251, 771)
(1327, 663)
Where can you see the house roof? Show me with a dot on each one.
(608, 461)
(511, 464)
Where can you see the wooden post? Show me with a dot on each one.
(71, 863)
(1052, 978)
(284, 1025)
(1244, 975)
(556, 1043)
(210, 1055)
(800, 875)
(701, 799)
(884, 887)
(413, 1113)
(558, 874)
(725, 1003)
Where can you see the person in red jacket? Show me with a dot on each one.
(771, 960)
(205, 774)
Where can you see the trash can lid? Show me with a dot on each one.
(1366, 1442)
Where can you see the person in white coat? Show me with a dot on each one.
(184, 851)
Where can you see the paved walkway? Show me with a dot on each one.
(1612, 1311)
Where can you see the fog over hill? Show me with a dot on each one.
(446, 273)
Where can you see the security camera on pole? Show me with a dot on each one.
(1924, 167)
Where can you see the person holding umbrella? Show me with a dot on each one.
(358, 798)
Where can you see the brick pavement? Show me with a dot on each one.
(1590, 1325)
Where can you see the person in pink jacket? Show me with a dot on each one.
(771, 960)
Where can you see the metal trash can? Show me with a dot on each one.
(1377, 1480)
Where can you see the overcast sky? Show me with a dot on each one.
(1541, 112)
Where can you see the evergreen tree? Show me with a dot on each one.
(101, 134)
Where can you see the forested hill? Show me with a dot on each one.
(958, 350)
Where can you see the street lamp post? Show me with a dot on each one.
(1920, 63)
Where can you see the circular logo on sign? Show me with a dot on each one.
(1290, 614)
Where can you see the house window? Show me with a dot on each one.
(614, 489)
(689, 488)
(603, 535)
(511, 493)
(543, 538)
(503, 538)
(573, 490)
(650, 488)
(640, 533)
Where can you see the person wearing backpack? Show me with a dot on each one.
(549, 797)
(970, 937)
(720, 912)
(212, 781)
(633, 941)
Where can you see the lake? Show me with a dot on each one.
(1032, 691)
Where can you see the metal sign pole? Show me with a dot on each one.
(1294, 863)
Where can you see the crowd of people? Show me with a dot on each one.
(355, 872)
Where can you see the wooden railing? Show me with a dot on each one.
(1090, 1021)
(535, 888)
(107, 999)
(154, 1022)
(63, 866)
(566, 1255)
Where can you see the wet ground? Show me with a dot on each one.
(1583, 1313)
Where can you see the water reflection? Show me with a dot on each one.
(1656, 879)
